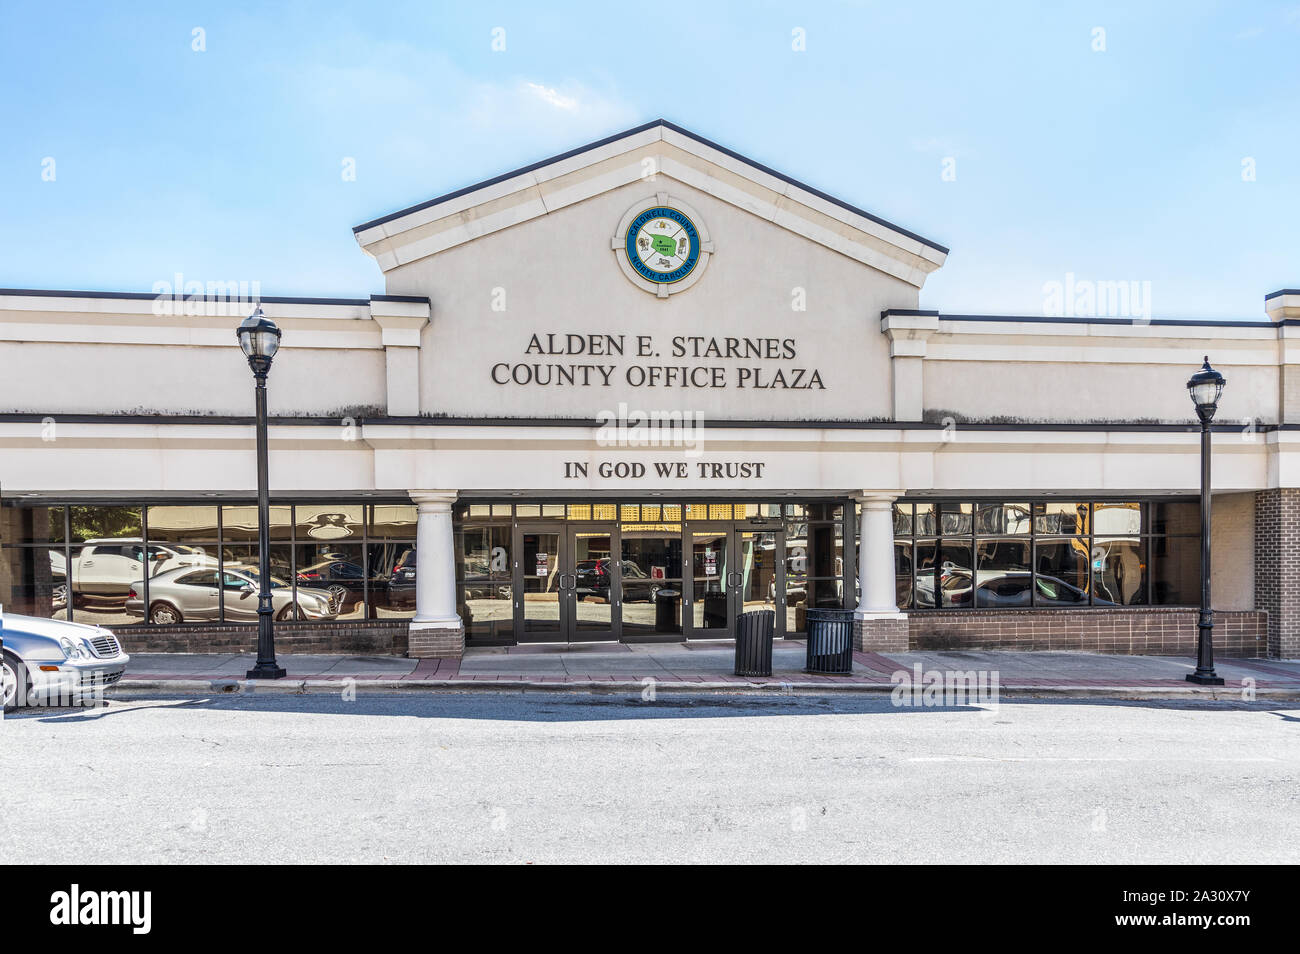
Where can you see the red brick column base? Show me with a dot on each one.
(886, 634)
(430, 643)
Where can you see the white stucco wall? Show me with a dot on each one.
(559, 275)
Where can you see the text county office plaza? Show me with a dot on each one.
(626, 394)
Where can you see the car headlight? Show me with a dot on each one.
(70, 649)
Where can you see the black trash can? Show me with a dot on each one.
(830, 642)
(754, 643)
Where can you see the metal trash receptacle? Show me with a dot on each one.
(830, 642)
(754, 643)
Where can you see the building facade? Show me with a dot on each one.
(627, 394)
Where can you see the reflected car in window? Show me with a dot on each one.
(593, 579)
(187, 595)
(346, 581)
(104, 569)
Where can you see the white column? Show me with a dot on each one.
(877, 595)
(435, 568)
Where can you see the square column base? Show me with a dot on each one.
(435, 641)
(881, 634)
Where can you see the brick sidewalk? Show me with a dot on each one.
(711, 664)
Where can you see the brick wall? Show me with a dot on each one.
(1277, 568)
(348, 637)
(1138, 631)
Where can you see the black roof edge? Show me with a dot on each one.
(149, 296)
(632, 132)
(1282, 291)
(1194, 322)
(411, 298)
(909, 313)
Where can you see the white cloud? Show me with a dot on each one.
(549, 95)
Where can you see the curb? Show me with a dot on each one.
(334, 686)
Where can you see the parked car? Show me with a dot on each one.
(195, 594)
(105, 569)
(52, 660)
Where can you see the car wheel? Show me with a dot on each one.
(339, 593)
(286, 613)
(653, 593)
(10, 667)
(164, 614)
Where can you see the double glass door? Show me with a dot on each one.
(595, 582)
(567, 584)
(733, 570)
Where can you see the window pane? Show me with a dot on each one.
(31, 525)
(392, 579)
(1061, 572)
(927, 520)
(325, 522)
(486, 609)
(1117, 518)
(98, 523)
(1053, 517)
(240, 559)
(903, 573)
(192, 524)
(239, 524)
(1002, 518)
(656, 555)
(952, 558)
(37, 581)
(1176, 516)
(902, 520)
(1003, 574)
(955, 518)
(1119, 569)
(393, 521)
(335, 568)
(1176, 571)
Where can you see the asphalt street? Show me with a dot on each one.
(564, 777)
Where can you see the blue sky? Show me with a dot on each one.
(1116, 165)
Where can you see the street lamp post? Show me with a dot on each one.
(260, 339)
(1205, 386)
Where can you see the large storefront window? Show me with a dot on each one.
(1051, 554)
(179, 563)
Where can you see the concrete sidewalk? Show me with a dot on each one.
(709, 665)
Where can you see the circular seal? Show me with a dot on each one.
(663, 245)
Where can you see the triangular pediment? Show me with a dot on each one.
(664, 151)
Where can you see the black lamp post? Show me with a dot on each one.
(260, 339)
(1205, 386)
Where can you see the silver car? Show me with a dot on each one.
(54, 662)
(194, 593)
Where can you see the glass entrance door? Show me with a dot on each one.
(711, 609)
(568, 583)
(733, 570)
(592, 559)
(539, 586)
